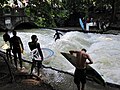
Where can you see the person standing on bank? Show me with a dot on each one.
(6, 38)
(80, 71)
(17, 48)
(35, 45)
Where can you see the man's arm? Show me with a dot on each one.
(40, 51)
(21, 43)
(90, 60)
(71, 52)
(54, 35)
(61, 34)
(29, 44)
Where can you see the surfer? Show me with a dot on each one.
(6, 38)
(35, 45)
(57, 35)
(17, 48)
(80, 71)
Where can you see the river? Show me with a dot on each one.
(104, 49)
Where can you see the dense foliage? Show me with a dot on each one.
(52, 13)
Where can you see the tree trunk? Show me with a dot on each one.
(113, 11)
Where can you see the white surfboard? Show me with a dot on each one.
(34, 54)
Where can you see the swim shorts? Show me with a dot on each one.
(80, 76)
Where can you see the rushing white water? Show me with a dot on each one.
(104, 49)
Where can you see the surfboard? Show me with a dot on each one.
(81, 24)
(34, 54)
(6, 45)
(92, 74)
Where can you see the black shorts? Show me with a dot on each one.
(80, 76)
(37, 63)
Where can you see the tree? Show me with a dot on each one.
(57, 12)
(2, 2)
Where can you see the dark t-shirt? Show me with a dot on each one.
(16, 43)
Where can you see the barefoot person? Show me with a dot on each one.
(17, 48)
(80, 71)
(6, 38)
(35, 45)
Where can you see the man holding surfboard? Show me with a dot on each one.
(35, 45)
(80, 71)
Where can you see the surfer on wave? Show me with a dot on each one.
(57, 35)
(80, 71)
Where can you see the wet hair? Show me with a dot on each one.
(33, 37)
(84, 50)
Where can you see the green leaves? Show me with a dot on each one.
(2, 2)
(54, 13)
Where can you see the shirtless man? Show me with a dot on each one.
(35, 45)
(80, 71)
(17, 48)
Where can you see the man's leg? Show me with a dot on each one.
(78, 86)
(7, 52)
(55, 39)
(20, 59)
(33, 65)
(77, 82)
(9, 56)
(39, 66)
(83, 86)
(77, 78)
(15, 59)
(83, 79)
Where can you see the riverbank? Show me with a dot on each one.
(92, 30)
